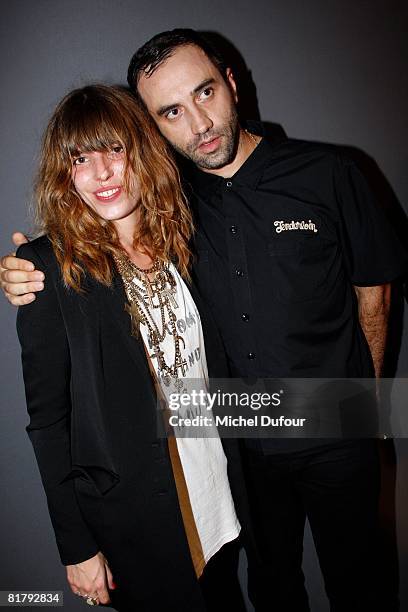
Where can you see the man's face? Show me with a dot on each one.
(194, 107)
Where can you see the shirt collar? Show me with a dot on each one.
(248, 175)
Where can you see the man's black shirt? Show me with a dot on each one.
(279, 247)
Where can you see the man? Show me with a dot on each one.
(295, 259)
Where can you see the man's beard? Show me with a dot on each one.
(224, 155)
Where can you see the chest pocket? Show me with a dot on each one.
(301, 267)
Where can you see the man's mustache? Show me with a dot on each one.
(207, 137)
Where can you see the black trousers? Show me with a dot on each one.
(337, 488)
(219, 585)
(219, 581)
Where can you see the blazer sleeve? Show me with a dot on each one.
(46, 371)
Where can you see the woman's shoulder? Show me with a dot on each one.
(39, 249)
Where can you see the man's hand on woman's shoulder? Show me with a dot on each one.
(18, 277)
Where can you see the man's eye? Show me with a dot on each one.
(206, 93)
(173, 113)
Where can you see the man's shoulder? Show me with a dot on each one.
(308, 149)
(281, 144)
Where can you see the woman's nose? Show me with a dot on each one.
(103, 167)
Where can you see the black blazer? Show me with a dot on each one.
(93, 425)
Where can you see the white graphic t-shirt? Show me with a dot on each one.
(203, 460)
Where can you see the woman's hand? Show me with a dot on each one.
(91, 578)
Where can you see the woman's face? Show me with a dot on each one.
(99, 179)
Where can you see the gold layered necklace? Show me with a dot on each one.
(150, 294)
(252, 137)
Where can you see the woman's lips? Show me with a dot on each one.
(108, 195)
(212, 145)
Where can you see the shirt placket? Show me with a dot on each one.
(239, 278)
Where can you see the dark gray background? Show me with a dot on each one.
(330, 70)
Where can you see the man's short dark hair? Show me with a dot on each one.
(156, 50)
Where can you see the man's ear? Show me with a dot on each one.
(232, 84)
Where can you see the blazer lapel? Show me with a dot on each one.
(116, 302)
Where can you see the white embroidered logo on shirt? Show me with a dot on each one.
(282, 226)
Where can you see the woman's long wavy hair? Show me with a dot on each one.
(97, 118)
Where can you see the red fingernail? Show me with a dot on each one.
(114, 585)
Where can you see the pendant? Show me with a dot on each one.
(183, 366)
(178, 384)
(158, 354)
(169, 294)
(182, 340)
(165, 378)
(149, 292)
(160, 281)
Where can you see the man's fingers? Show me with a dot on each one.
(22, 288)
(11, 262)
(19, 276)
(19, 238)
(20, 300)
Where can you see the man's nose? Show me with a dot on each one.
(103, 167)
(200, 121)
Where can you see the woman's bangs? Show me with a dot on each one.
(93, 128)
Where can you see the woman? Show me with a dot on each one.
(137, 518)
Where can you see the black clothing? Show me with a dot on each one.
(219, 581)
(218, 584)
(93, 425)
(279, 246)
(337, 488)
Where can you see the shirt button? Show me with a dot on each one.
(239, 272)
(245, 316)
(251, 355)
(233, 229)
(229, 183)
(161, 493)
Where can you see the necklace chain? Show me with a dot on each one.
(252, 137)
(153, 268)
(156, 293)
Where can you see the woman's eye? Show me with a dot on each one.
(116, 151)
(173, 113)
(79, 160)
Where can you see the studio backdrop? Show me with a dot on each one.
(326, 71)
